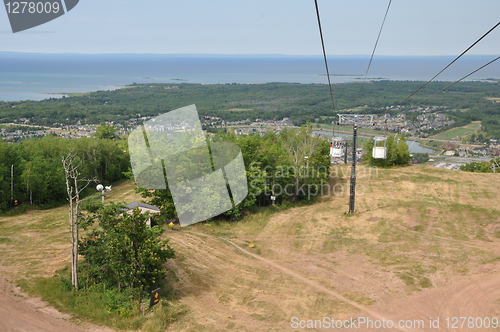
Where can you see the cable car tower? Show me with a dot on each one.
(362, 120)
(356, 120)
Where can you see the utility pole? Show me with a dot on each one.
(345, 153)
(12, 184)
(353, 171)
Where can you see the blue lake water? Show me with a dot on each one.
(35, 76)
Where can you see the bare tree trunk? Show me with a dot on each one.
(74, 265)
(73, 177)
(67, 164)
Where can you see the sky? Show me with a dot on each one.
(289, 27)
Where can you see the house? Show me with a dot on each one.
(449, 146)
(144, 208)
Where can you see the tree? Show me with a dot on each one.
(71, 164)
(106, 131)
(123, 251)
(421, 157)
(480, 138)
(30, 179)
(301, 146)
(397, 152)
(479, 167)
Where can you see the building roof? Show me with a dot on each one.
(143, 205)
(449, 146)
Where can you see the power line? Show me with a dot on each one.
(374, 48)
(460, 79)
(458, 57)
(324, 53)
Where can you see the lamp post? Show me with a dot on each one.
(100, 188)
(103, 190)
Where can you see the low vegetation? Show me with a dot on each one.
(492, 166)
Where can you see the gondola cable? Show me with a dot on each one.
(324, 54)
(460, 80)
(378, 152)
(458, 57)
(374, 49)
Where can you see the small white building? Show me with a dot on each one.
(144, 208)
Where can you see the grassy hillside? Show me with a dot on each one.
(423, 242)
(459, 132)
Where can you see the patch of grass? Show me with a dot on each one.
(425, 282)
(452, 133)
(5, 240)
(106, 307)
(339, 238)
(251, 224)
(360, 298)
(407, 279)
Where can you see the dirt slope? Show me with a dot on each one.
(423, 243)
(21, 313)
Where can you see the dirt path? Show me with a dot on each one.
(476, 296)
(21, 313)
(373, 315)
(280, 291)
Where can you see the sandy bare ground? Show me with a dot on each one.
(422, 246)
(21, 313)
(303, 281)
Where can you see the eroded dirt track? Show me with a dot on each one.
(20, 313)
(461, 296)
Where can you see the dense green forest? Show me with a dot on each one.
(467, 102)
(32, 171)
(290, 166)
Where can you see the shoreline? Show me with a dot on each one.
(46, 95)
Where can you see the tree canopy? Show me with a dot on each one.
(397, 152)
(466, 102)
(123, 251)
(38, 175)
(289, 166)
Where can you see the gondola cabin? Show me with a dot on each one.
(379, 148)
(337, 147)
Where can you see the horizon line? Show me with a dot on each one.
(237, 55)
